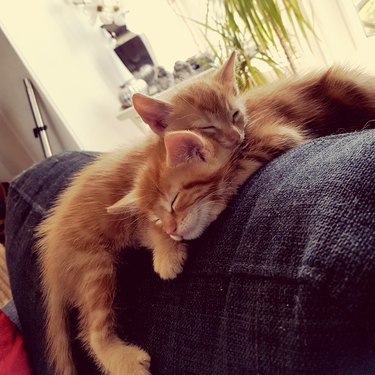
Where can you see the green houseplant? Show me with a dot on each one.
(261, 31)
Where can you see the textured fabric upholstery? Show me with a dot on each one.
(282, 283)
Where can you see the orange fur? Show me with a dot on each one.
(125, 198)
(171, 188)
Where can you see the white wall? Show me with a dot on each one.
(340, 38)
(168, 34)
(13, 154)
(73, 69)
(76, 74)
(16, 120)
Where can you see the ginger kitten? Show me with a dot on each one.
(152, 197)
(155, 196)
(172, 188)
(266, 121)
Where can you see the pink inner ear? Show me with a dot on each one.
(183, 147)
(153, 112)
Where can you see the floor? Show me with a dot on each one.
(5, 294)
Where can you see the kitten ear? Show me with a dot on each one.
(153, 112)
(183, 147)
(226, 74)
(126, 203)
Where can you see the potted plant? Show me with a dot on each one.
(263, 32)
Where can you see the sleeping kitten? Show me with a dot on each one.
(172, 190)
(151, 197)
(271, 119)
(154, 196)
(212, 106)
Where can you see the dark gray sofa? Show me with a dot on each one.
(282, 283)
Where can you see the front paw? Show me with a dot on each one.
(126, 359)
(168, 264)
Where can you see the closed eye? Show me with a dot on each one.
(209, 127)
(236, 116)
(174, 201)
(157, 221)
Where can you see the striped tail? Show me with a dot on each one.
(57, 332)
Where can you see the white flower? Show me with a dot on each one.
(119, 13)
(92, 8)
(108, 11)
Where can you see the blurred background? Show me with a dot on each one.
(68, 68)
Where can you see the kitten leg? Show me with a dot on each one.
(97, 319)
(55, 302)
(169, 256)
(57, 332)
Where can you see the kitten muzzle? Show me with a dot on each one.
(234, 138)
(176, 237)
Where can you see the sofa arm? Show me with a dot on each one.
(282, 283)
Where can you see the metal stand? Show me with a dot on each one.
(40, 130)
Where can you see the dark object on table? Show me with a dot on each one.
(282, 283)
(133, 50)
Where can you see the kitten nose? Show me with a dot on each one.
(235, 136)
(170, 225)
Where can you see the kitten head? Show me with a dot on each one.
(181, 190)
(211, 106)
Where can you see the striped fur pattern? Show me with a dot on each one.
(171, 188)
(153, 196)
(275, 117)
(286, 114)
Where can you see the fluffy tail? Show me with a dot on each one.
(349, 99)
(57, 335)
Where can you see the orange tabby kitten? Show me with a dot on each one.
(154, 196)
(275, 117)
(171, 189)
(149, 197)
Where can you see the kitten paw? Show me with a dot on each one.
(168, 264)
(128, 360)
(144, 360)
